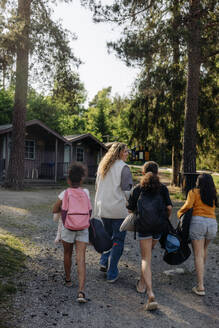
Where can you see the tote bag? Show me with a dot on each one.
(98, 237)
(129, 223)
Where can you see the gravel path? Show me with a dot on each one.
(43, 301)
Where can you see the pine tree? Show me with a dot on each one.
(150, 36)
(15, 172)
(30, 31)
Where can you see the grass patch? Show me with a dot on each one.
(7, 288)
(12, 260)
(27, 229)
(216, 181)
(136, 174)
(136, 178)
(165, 173)
(177, 196)
(140, 163)
(136, 170)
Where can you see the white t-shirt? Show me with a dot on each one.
(61, 195)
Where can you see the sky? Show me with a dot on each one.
(99, 69)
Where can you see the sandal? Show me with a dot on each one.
(138, 289)
(198, 291)
(81, 297)
(151, 304)
(68, 283)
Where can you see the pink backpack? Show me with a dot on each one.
(76, 208)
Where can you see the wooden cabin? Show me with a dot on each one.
(48, 154)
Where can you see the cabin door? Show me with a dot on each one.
(67, 156)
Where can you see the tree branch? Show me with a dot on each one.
(212, 54)
(125, 17)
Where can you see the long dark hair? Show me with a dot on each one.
(205, 184)
(150, 182)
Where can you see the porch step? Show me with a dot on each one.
(39, 183)
(43, 183)
(33, 181)
(90, 180)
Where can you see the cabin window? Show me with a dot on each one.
(79, 154)
(29, 149)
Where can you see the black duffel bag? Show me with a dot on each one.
(98, 236)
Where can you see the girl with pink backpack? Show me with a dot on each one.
(75, 207)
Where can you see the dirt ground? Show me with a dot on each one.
(43, 302)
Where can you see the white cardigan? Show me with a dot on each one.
(110, 199)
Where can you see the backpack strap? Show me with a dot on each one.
(65, 200)
(64, 208)
(138, 195)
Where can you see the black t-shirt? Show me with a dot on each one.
(135, 193)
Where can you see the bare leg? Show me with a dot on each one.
(68, 249)
(207, 242)
(199, 257)
(146, 247)
(141, 283)
(81, 265)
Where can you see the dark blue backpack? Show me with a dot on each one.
(172, 243)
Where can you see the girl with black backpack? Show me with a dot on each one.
(150, 201)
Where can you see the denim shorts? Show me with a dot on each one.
(71, 237)
(148, 235)
(202, 228)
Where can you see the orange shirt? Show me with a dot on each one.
(199, 208)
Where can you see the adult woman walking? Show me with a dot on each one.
(156, 195)
(113, 181)
(203, 226)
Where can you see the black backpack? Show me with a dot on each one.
(179, 256)
(183, 252)
(151, 213)
(184, 225)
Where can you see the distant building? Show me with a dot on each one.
(48, 154)
(87, 149)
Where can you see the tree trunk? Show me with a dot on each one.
(176, 156)
(192, 92)
(15, 173)
(3, 71)
(176, 95)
